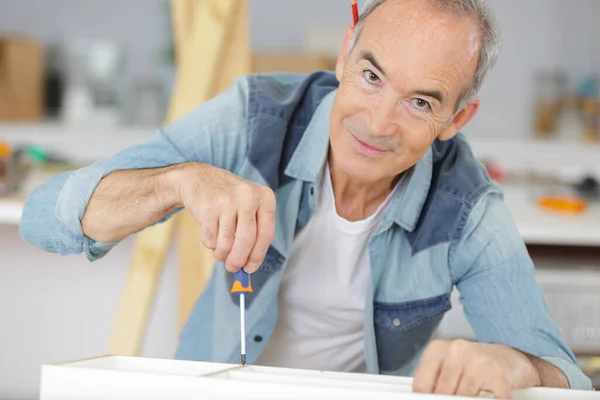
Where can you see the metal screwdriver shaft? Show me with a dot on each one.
(241, 286)
(243, 326)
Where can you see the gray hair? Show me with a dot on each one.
(490, 37)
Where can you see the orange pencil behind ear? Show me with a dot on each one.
(354, 11)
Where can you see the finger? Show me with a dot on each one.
(265, 234)
(470, 385)
(498, 385)
(225, 236)
(453, 367)
(245, 236)
(429, 369)
(449, 377)
(209, 225)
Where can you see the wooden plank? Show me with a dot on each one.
(195, 261)
(299, 62)
(150, 250)
(182, 14)
(200, 57)
(238, 58)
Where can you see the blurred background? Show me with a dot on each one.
(81, 80)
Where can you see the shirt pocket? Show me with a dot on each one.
(272, 264)
(403, 329)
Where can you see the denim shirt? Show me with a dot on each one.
(446, 227)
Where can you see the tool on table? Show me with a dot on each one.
(589, 188)
(6, 152)
(241, 286)
(563, 204)
(354, 11)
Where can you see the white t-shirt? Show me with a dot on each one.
(322, 296)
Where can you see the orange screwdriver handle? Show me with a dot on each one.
(241, 283)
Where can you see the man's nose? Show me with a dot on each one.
(384, 117)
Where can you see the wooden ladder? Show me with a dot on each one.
(212, 49)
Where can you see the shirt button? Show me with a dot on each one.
(397, 322)
(258, 338)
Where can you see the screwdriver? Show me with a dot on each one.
(241, 286)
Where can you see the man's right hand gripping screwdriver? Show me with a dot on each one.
(241, 286)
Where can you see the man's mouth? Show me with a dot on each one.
(365, 148)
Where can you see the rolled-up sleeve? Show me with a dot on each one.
(213, 133)
(500, 295)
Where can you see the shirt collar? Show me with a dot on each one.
(407, 204)
(309, 158)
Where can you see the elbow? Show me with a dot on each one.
(29, 223)
(39, 225)
(33, 225)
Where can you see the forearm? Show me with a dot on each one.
(126, 202)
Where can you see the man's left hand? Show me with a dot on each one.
(467, 369)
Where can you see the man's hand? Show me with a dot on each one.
(236, 217)
(466, 369)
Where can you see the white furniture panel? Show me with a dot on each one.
(121, 378)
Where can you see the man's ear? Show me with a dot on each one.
(343, 56)
(462, 118)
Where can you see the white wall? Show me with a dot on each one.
(536, 33)
(141, 26)
(55, 309)
(596, 33)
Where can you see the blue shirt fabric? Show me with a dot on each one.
(446, 227)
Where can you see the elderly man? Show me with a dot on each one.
(354, 202)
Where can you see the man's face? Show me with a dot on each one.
(399, 88)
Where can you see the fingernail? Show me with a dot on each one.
(251, 267)
(230, 268)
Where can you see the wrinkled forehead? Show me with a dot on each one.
(415, 39)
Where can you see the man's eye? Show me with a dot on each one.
(371, 77)
(421, 104)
